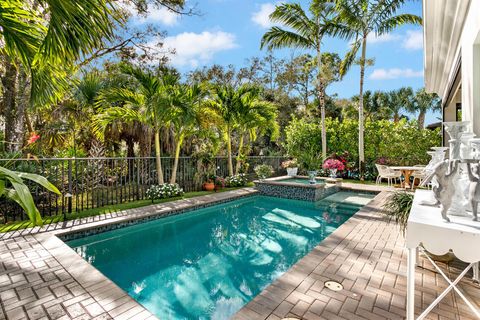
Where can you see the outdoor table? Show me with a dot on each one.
(407, 172)
(426, 230)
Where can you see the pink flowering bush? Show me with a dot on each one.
(333, 164)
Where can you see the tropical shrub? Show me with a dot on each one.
(263, 171)
(12, 186)
(164, 191)
(391, 143)
(238, 180)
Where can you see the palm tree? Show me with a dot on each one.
(304, 32)
(397, 100)
(254, 116)
(423, 102)
(147, 101)
(226, 103)
(187, 115)
(355, 21)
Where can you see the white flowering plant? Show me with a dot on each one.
(237, 180)
(263, 171)
(164, 191)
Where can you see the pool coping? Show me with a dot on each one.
(103, 290)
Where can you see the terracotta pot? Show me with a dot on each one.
(209, 186)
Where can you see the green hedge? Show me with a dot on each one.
(399, 143)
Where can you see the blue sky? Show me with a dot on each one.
(229, 32)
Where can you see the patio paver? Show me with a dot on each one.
(42, 278)
(367, 256)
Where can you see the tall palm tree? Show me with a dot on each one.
(147, 101)
(226, 103)
(355, 21)
(306, 32)
(188, 113)
(254, 116)
(424, 102)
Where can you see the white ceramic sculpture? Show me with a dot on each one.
(475, 148)
(444, 191)
(474, 188)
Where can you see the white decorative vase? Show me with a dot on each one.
(333, 173)
(311, 177)
(292, 172)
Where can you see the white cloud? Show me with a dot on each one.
(372, 38)
(395, 73)
(262, 17)
(413, 40)
(193, 49)
(155, 15)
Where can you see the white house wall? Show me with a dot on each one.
(470, 46)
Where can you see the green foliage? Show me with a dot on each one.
(263, 171)
(12, 186)
(303, 141)
(399, 143)
(398, 208)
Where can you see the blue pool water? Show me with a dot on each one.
(208, 263)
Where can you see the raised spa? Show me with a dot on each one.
(298, 187)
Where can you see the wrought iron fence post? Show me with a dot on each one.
(70, 186)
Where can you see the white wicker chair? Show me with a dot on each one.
(420, 175)
(384, 172)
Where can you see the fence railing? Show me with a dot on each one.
(87, 183)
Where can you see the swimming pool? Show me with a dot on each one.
(208, 263)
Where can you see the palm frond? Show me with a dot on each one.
(277, 37)
(349, 57)
(394, 22)
(75, 28)
(294, 17)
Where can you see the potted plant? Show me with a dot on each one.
(333, 165)
(291, 166)
(263, 171)
(209, 184)
(311, 161)
(219, 183)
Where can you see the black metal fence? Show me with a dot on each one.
(87, 183)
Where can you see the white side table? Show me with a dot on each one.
(425, 226)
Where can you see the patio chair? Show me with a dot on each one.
(420, 175)
(384, 172)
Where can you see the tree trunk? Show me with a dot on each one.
(239, 158)
(158, 158)
(178, 146)
(130, 147)
(321, 100)
(361, 151)
(421, 120)
(229, 152)
(23, 100)
(9, 84)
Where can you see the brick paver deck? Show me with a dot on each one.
(367, 256)
(42, 278)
